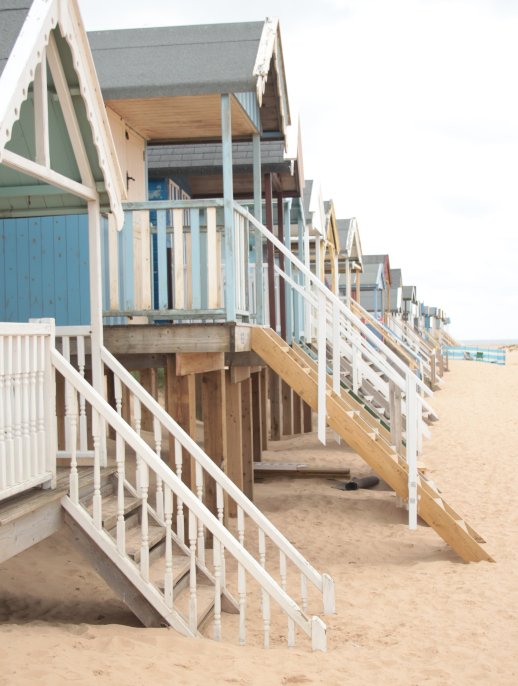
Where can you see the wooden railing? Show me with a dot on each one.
(27, 448)
(189, 508)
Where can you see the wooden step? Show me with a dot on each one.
(204, 604)
(134, 540)
(109, 508)
(181, 569)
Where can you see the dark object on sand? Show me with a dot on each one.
(354, 484)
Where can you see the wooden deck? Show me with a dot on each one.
(29, 517)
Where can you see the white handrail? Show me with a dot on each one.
(211, 468)
(313, 627)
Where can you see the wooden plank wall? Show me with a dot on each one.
(44, 270)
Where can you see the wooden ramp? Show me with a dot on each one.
(369, 442)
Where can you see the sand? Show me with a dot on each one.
(409, 612)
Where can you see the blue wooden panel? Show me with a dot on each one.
(195, 259)
(36, 282)
(23, 275)
(48, 291)
(161, 260)
(73, 297)
(60, 270)
(11, 277)
(84, 268)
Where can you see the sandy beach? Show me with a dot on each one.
(409, 611)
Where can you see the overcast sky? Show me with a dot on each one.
(409, 115)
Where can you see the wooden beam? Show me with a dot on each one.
(234, 461)
(25, 166)
(41, 113)
(244, 359)
(197, 363)
(239, 374)
(257, 417)
(181, 405)
(69, 113)
(287, 407)
(264, 385)
(275, 406)
(215, 430)
(248, 438)
(297, 414)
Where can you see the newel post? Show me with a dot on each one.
(228, 208)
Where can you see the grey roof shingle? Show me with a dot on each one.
(373, 259)
(12, 16)
(343, 226)
(176, 60)
(198, 160)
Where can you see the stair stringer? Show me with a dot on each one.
(369, 445)
(127, 568)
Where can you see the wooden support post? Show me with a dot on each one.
(358, 288)
(268, 194)
(282, 283)
(248, 438)
(88, 407)
(215, 432)
(263, 376)
(348, 282)
(234, 461)
(126, 407)
(148, 379)
(275, 407)
(297, 414)
(257, 417)
(287, 407)
(181, 405)
(228, 195)
(258, 238)
(198, 383)
(308, 417)
(110, 397)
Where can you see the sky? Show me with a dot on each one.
(409, 119)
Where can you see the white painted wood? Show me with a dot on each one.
(3, 463)
(199, 493)
(113, 263)
(282, 569)
(336, 354)
(411, 451)
(168, 578)
(25, 166)
(179, 295)
(322, 372)
(97, 502)
(241, 587)
(212, 261)
(83, 429)
(304, 592)
(41, 113)
(72, 424)
(65, 347)
(158, 449)
(180, 520)
(318, 635)
(193, 609)
(24, 379)
(328, 594)
(144, 523)
(291, 633)
(266, 619)
(217, 589)
(17, 407)
(8, 409)
(120, 456)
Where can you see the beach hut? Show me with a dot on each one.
(396, 292)
(350, 256)
(383, 260)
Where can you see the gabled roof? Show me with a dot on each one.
(409, 293)
(379, 259)
(396, 278)
(350, 244)
(372, 276)
(82, 148)
(150, 64)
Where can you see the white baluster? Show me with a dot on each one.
(8, 395)
(81, 360)
(220, 504)
(217, 589)
(266, 619)
(282, 560)
(291, 633)
(24, 379)
(40, 384)
(158, 449)
(33, 434)
(304, 592)
(137, 412)
(120, 447)
(241, 587)
(3, 465)
(241, 525)
(65, 340)
(199, 492)
(97, 500)
(168, 580)
(144, 548)
(193, 609)
(72, 425)
(180, 524)
(262, 558)
(117, 389)
(17, 404)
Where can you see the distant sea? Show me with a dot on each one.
(495, 341)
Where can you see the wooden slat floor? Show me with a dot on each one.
(35, 498)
